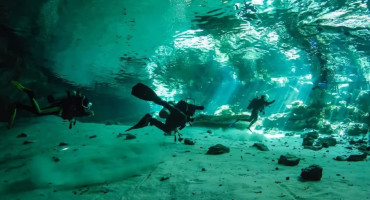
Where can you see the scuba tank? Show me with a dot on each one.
(183, 105)
(164, 113)
(252, 104)
(57, 97)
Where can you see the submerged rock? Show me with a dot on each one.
(288, 160)
(357, 157)
(364, 148)
(164, 178)
(326, 129)
(93, 136)
(189, 141)
(218, 149)
(312, 173)
(363, 98)
(28, 142)
(309, 138)
(261, 146)
(357, 142)
(307, 141)
(105, 190)
(315, 148)
(356, 129)
(298, 117)
(120, 135)
(313, 134)
(130, 137)
(327, 141)
(63, 144)
(22, 135)
(55, 159)
(340, 158)
(289, 134)
(352, 158)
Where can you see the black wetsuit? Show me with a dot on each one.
(70, 106)
(256, 105)
(180, 114)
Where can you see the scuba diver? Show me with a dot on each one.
(247, 11)
(257, 104)
(72, 104)
(176, 115)
(323, 83)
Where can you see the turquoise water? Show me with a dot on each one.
(198, 49)
(312, 57)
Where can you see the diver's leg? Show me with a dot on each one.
(142, 123)
(252, 122)
(14, 112)
(253, 119)
(160, 125)
(50, 110)
(34, 103)
(253, 116)
(31, 96)
(245, 119)
(36, 107)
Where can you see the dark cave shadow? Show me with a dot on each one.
(20, 187)
(9, 159)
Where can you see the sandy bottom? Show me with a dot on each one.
(96, 164)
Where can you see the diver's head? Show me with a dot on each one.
(265, 97)
(85, 107)
(85, 103)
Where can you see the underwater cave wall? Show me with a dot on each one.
(22, 44)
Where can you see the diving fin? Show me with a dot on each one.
(19, 86)
(143, 92)
(12, 118)
(233, 124)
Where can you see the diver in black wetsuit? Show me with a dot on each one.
(257, 104)
(323, 84)
(247, 11)
(176, 115)
(72, 104)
